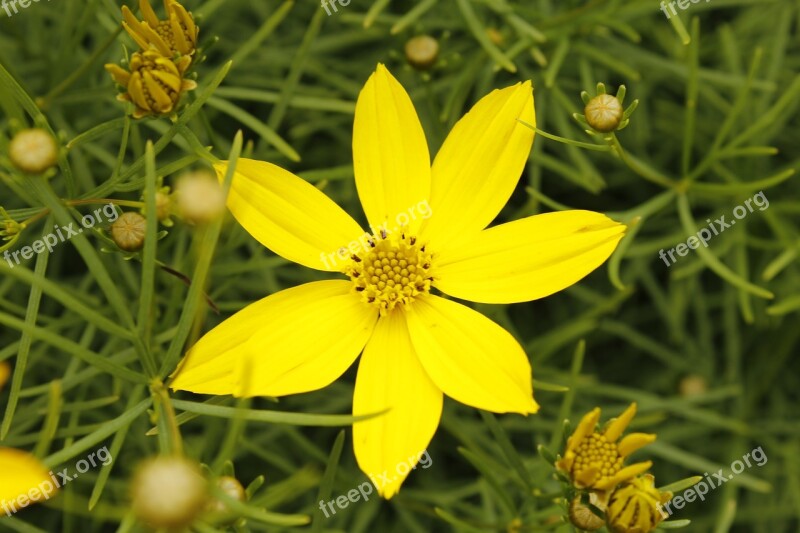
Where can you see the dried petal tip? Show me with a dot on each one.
(200, 197)
(168, 492)
(33, 151)
(128, 231)
(604, 113)
(422, 52)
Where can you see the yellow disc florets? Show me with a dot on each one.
(393, 270)
(596, 453)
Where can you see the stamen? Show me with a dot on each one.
(392, 272)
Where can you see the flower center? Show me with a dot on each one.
(393, 270)
(597, 454)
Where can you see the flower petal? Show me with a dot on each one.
(469, 357)
(390, 154)
(634, 441)
(297, 340)
(618, 425)
(21, 473)
(629, 472)
(390, 376)
(288, 215)
(479, 165)
(529, 258)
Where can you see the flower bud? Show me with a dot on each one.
(33, 151)
(635, 507)
(200, 197)
(692, 385)
(168, 492)
(230, 486)
(604, 113)
(128, 231)
(422, 52)
(582, 517)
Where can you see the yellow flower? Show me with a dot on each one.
(594, 460)
(417, 346)
(635, 507)
(5, 372)
(154, 84)
(25, 480)
(177, 35)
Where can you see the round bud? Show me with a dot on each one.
(168, 492)
(231, 487)
(200, 197)
(422, 52)
(128, 231)
(604, 113)
(692, 385)
(33, 151)
(582, 517)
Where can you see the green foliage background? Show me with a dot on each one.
(77, 323)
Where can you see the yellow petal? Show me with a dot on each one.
(22, 475)
(163, 104)
(527, 259)
(390, 376)
(617, 426)
(585, 428)
(177, 33)
(170, 80)
(297, 340)
(586, 477)
(136, 91)
(390, 153)
(479, 165)
(634, 441)
(469, 357)
(288, 215)
(5, 372)
(629, 472)
(120, 75)
(147, 13)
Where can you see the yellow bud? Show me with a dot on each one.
(604, 113)
(33, 151)
(422, 52)
(163, 206)
(200, 197)
(168, 492)
(693, 385)
(635, 507)
(128, 231)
